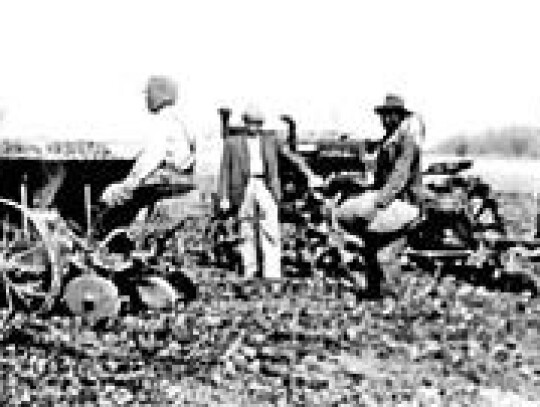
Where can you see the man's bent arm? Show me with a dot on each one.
(151, 157)
(299, 161)
(146, 161)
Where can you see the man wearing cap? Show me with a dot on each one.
(384, 213)
(168, 145)
(249, 186)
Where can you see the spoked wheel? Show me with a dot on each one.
(29, 270)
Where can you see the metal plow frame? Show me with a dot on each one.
(51, 251)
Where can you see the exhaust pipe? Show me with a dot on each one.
(225, 117)
(291, 131)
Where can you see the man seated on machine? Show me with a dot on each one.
(382, 214)
(170, 149)
(168, 146)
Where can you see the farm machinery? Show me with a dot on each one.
(463, 231)
(75, 258)
(62, 249)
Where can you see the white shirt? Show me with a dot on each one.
(256, 166)
(167, 141)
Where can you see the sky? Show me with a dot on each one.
(76, 69)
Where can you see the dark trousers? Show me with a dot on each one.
(106, 219)
(375, 243)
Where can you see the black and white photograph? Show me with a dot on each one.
(269, 203)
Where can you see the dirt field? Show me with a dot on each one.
(298, 342)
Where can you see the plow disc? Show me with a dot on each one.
(92, 297)
(156, 293)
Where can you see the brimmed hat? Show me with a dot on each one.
(392, 103)
(252, 114)
(163, 88)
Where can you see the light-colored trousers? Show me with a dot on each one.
(390, 219)
(259, 199)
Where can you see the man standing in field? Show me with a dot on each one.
(383, 214)
(249, 185)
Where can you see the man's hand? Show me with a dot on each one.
(225, 205)
(116, 194)
(316, 181)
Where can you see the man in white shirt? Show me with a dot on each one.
(169, 143)
(168, 147)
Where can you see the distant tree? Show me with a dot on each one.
(509, 142)
(519, 146)
(461, 148)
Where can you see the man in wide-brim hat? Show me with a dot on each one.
(392, 103)
(387, 211)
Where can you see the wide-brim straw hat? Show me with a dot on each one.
(392, 103)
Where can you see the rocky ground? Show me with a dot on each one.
(293, 342)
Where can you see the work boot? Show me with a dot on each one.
(377, 286)
(379, 293)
